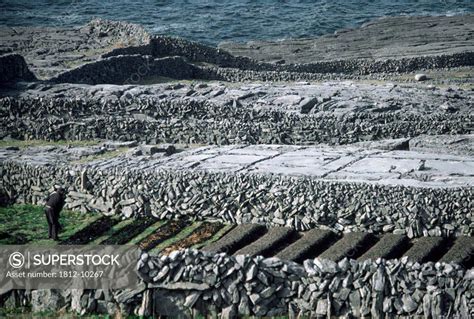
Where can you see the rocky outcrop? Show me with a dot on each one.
(13, 68)
(50, 51)
(387, 38)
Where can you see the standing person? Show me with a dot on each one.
(54, 205)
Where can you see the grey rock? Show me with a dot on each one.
(409, 305)
(421, 77)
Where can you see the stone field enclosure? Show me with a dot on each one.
(302, 183)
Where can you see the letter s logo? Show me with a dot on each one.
(16, 260)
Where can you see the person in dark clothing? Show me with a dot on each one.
(54, 205)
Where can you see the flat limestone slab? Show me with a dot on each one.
(385, 38)
(328, 163)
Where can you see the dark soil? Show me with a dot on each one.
(462, 252)
(199, 235)
(352, 245)
(388, 247)
(163, 233)
(427, 249)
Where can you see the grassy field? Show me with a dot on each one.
(21, 224)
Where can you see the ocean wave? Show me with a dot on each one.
(237, 20)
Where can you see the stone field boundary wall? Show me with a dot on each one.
(243, 285)
(124, 62)
(298, 202)
(160, 58)
(162, 46)
(129, 69)
(189, 282)
(152, 120)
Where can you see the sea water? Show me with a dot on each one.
(212, 22)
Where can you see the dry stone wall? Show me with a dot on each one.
(298, 202)
(187, 283)
(243, 285)
(128, 69)
(153, 59)
(155, 120)
(162, 46)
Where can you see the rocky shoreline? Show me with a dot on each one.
(388, 38)
(62, 53)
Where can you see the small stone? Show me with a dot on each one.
(409, 305)
(388, 228)
(322, 307)
(251, 272)
(271, 262)
(191, 299)
(244, 308)
(127, 211)
(326, 265)
(255, 298)
(421, 77)
(267, 292)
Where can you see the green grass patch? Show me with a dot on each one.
(20, 224)
(185, 232)
(214, 238)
